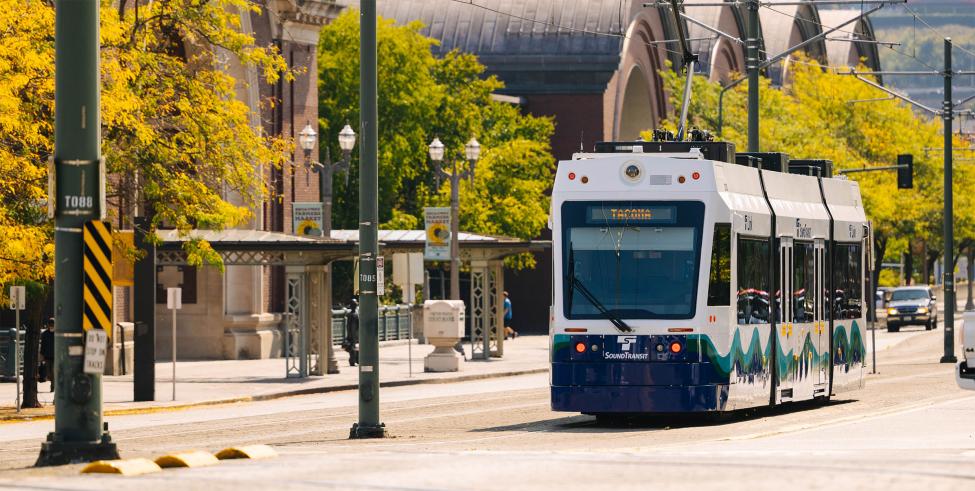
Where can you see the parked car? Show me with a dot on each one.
(912, 305)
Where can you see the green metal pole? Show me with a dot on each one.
(949, 270)
(751, 62)
(78, 432)
(369, 425)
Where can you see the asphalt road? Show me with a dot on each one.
(910, 428)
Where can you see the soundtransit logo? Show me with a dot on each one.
(626, 350)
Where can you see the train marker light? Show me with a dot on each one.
(584, 179)
(660, 348)
(676, 347)
(580, 347)
(681, 179)
(572, 176)
(696, 176)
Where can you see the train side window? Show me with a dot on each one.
(847, 281)
(719, 288)
(753, 281)
(803, 286)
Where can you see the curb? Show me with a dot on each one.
(10, 419)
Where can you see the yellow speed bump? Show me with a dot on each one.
(247, 452)
(127, 467)
(193, 458)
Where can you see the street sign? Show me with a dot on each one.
(96, 346)
(174, 298)
(307, 219)
(98, 276)
(438, 237)
(18, 298)
(407, 273)
(380, 275)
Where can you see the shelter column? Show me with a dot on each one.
(496, 278)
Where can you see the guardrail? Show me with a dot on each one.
(394, 323)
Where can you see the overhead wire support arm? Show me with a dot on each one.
(780, 56)
(709, 28)
(875, 85)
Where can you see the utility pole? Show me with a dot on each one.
(949, 271)
(369, 425)
(752, 67)
(79, 197)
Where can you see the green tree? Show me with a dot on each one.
(421, 97)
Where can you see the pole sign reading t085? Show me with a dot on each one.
(74, 189)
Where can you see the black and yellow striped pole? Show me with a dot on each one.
(82, 271)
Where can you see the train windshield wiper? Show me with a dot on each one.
(574, 283)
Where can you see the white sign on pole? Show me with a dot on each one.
(380, 275)
(18, 298)
(437, 221)
(96, 346)
(174, 298)
(407, 273)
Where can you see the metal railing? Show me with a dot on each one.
(7, 354)
(394, 323)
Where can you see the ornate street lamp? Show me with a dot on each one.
(307, 139)
(472, 152)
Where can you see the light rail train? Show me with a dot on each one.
(687, 282)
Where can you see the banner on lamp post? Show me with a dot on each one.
(437, 226)
(308, 219)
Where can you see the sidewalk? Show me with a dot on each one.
(227, 381)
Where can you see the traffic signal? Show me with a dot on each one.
(905, 171)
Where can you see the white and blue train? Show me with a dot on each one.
(686, 282)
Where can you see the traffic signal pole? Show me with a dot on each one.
(369, 425)
(78, 197)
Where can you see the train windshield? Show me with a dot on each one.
(632, 259)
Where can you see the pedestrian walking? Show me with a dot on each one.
(47, 353)
(508, 331)
(351, 342)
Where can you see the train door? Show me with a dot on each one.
(786, 347)
(820, 324)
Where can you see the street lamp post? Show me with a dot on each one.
(472, 151)
(307, 139)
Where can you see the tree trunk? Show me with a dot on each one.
(32, 342)
(925, 272)
(908, 267)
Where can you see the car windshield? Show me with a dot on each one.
(638, 259)
(915, 294)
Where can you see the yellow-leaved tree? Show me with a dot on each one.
(817, 115)
(175, 135)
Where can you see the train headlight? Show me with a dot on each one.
(632, 171)
(891, 311)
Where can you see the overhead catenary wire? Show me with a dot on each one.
(810, 21)
(917, 17)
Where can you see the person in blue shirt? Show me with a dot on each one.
(508, 331)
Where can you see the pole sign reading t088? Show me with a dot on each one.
(74, 189)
